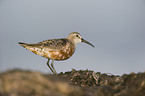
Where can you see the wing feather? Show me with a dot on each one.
(54, 44)
(48, 45)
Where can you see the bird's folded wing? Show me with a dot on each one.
(53, 44)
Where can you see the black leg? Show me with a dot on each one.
(49, 66)
(53, 67)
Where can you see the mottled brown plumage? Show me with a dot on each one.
(56, 49)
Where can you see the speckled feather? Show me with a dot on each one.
(55, 44)
(57, 49)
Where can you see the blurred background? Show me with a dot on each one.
(115, 27)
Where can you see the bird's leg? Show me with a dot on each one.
(49, 66)
(53, 66)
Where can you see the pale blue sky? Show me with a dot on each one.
(115, 27)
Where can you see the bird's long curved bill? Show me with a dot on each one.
(85, 41)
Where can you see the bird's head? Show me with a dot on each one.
(76, 38)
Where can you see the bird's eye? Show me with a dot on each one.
(77, 35)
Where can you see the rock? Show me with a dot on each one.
(73, 83)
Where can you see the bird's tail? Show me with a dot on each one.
(27, 46)
(30, 47)
(23, 44)
(35, 48)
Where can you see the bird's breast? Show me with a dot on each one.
(63, 54)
